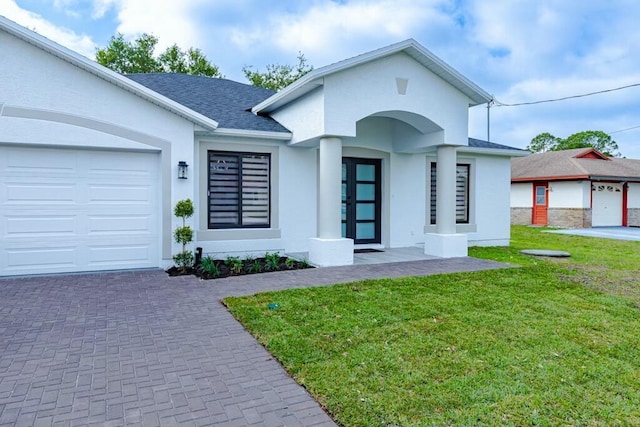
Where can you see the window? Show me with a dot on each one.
(239, 191)
(462, 193)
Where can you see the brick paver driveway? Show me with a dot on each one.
(140, 348)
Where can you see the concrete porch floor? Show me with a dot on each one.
(387, 255)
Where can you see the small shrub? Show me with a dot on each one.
(184, 234)
(272, 261)
(255, 267)
(183, 259)
(304, 263)
(234, 263)
(290, 263)
(210, 266)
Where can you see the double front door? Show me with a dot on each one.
(361, 200)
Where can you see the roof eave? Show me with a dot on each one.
(614, 178)
(256, 134)
(503, 152)
(104, 73)
(550, 178)
(475, 94)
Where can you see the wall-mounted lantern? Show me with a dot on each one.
(182, 169)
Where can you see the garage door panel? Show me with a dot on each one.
(119, 255)
(51, 162)
(122, 194)
(40, 226)
(77, 210)
(115, 224)
(32, 260)
(40, 193)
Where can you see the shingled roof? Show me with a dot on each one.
(225, 101)
(479, 143)
(579, 163)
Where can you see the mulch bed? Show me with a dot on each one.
(253, 266)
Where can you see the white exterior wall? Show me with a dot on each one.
(570, 194)
(373, 85)
(54, 103)
(492, 215)
(293, 200)
(304, 116)
(521, 195)
(633, 195)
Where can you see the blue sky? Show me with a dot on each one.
(517, 50)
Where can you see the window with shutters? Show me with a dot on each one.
(462, 193)
(239, 191)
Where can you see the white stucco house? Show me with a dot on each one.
(577, 188)
(345, 157)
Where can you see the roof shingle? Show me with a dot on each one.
(222, 100)
(566, 164)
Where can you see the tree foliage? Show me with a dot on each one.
(278, 76)
(597, 139)
(128, 57)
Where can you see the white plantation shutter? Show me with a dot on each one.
(462, 194)
(239, 189)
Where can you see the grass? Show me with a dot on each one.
(551, 343)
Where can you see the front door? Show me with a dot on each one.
(540, 204)
(361, 204)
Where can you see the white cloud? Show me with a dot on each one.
(80, 43)
(329, 31)
(170, 21)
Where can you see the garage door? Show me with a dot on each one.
(65, 210)
(606, 207)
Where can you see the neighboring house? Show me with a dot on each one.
(575, 188)
(345, 157)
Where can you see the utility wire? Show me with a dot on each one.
(502, 104)
(624, 130)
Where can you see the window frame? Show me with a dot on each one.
(239, 224)
(433, 193)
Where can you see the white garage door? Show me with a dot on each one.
(606, 204)
(65, 210)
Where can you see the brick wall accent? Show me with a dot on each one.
(521, 216)
(633, 217)
(569, 217)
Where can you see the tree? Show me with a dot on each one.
(278, 76)
(590, 138)
(138, 57)
(543, 142)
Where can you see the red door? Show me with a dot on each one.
(540, 204)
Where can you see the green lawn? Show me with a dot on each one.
(551, 343)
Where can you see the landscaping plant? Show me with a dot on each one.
(183, 234)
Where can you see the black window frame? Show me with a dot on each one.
(239, 224)
(433, 193)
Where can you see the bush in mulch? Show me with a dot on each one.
(210, 268)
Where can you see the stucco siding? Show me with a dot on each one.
(304, 117)
(570, 194)
(633, 195)
(521, 195)
(492, 182)
(374, 85)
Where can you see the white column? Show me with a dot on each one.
(329, 189)
(445, 242)
(446, 190)
(330, 248)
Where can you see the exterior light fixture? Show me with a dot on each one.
(182, 169)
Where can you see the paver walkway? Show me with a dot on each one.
(140, 348)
